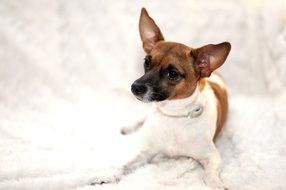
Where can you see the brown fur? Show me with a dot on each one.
(222, 102)
(222, 106)
(166, 53)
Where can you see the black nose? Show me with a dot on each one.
(138, 88)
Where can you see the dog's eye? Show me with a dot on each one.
(173, 75)
(147, 62)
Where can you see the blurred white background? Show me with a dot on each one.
(66, 67)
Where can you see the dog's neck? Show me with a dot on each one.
(181, 106)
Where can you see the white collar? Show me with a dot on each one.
(193, 113)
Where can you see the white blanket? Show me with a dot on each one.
(66, 68)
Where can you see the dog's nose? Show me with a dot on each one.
(138, 88)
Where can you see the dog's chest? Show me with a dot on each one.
(178, 136)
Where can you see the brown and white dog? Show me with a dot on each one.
(190, 108)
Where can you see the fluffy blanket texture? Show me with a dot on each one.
(65, 71)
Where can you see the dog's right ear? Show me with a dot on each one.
(149, 32)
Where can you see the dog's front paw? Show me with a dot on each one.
(125, 130)
(214, 182)
(105, 180)
(105, 176)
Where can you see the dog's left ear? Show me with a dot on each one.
(210, 57)
(149, 32)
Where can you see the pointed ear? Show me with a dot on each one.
(149, 32)
(210, 57)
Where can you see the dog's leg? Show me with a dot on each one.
(131, 129)
(141, 159)
(212, 164)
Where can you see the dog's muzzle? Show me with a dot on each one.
(146, 93)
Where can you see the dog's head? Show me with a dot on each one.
(172, 70)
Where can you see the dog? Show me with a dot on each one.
(190, 103)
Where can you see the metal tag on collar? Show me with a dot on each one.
(196, 112)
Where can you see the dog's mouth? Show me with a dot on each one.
(155, 96)
(152, 97)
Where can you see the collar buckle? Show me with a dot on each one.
(196, 112)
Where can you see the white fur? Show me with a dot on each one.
(217, 79)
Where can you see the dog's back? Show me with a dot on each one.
(217, 84)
